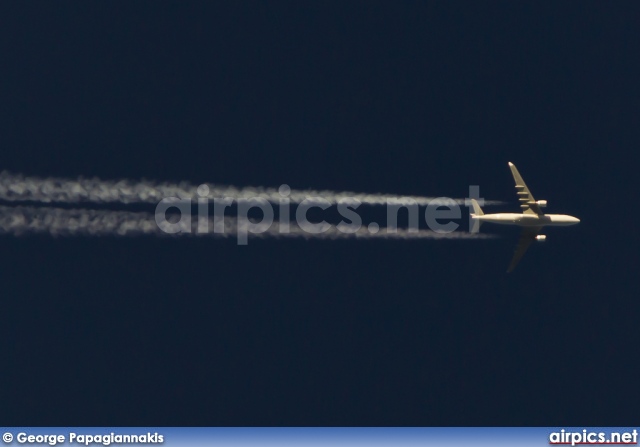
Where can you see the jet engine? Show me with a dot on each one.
(541, 203)
(541, 238)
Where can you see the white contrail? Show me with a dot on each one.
(18, 188)
(23, 220)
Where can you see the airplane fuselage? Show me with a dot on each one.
(529, 220)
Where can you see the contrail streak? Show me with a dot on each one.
(18, 188)
(24, 220)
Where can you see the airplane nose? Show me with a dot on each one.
(577, 220)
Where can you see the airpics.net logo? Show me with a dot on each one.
(586, 437)
(256, 215)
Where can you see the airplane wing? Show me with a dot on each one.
(527, 202)
(527, 236)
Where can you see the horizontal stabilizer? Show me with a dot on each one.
(476, 208)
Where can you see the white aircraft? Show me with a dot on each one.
(532, 218)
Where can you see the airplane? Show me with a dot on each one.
(532, 219)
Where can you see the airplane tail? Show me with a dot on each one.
(477, 211)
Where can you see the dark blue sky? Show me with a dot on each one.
(411, 98)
